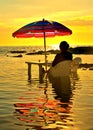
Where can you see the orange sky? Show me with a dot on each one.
(75, 14)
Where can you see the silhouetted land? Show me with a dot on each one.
(82, 50)
(75, 50)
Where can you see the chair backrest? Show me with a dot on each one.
(61, 69)
(64, 68)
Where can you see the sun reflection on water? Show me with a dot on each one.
(39, 108)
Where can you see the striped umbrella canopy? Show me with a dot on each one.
(43, 28)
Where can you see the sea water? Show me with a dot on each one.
(32, 105)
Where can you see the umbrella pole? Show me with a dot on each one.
(45, 52)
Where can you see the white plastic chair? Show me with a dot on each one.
(61, 69)
(64, 68)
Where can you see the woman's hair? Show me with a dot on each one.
(64, 45)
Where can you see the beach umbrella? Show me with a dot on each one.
(43, 28)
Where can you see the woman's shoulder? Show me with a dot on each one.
(69, 53)
(58, 55)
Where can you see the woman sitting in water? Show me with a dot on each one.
(61, 65)
(63, 55)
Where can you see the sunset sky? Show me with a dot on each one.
(75, 14)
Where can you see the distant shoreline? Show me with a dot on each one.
(75, 50)
(86, 50)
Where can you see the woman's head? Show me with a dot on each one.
(64, 45)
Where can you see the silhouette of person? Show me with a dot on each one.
(60, 72)
(63, 55)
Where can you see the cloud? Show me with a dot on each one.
(81, 21)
